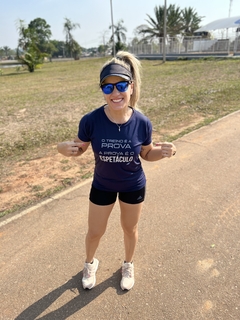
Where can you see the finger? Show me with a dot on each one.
(73, 152)
(79, 144)
(167, 144)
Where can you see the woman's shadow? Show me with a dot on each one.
(83, 298)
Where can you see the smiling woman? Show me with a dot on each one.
(120, 135)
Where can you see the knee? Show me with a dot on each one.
(93, 235)
(130, 231)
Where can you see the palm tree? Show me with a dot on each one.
(174, 20)
(29, 55)
(68, 27)
(190, 21)
(7, 50)
(119, 32)
(156, 25)
(24, 37)
(31, 59)
(156, 29)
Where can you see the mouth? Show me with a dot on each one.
(116, 100)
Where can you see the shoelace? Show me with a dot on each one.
(127, 272)
(87, 273)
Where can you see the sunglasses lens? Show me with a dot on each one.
(122, 86)
(109, 87)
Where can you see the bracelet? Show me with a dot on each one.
(174, 152)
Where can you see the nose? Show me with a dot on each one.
(115, 90)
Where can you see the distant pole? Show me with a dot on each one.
(114, 51)
(164, 31)
(229, 15)
(230, 8)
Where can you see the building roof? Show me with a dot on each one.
(232, 22)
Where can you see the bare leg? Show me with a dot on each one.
(130, 214)
(97, 224)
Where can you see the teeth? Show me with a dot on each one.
(117, 100)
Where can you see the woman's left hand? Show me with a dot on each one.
(168, 149)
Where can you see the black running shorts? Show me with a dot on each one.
(104, 198)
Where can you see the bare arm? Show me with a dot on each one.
(158, 152)
(73, 148)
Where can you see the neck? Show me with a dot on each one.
(120, 116)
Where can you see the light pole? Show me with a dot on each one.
(229, 15)
(230, 8)
(112, 29)
(164, 30)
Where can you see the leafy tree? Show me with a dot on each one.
(50, 49)
(28, 43)
(6, 50)
(102, 49)
(1, 52)
(31, 59)
(156, 28)
(119, 32)
(139, 36)
(68, 27)
(59, 48)
(134, 41)
(174, 20)
(190, 20)
(76, 49)
(25, 38)
(41, 32)
(178, 22)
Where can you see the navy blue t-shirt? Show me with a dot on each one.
(117, 164)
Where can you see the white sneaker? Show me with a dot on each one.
(127, 281)
(89, 274)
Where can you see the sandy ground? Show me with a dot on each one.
(25, 182)
(29, 181)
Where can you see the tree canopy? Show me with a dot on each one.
(35, 37)
(179, 22)
(37, 33)
(191, 21)
(119, 33)
(71, 44)
(33, 42)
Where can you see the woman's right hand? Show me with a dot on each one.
(71, 148)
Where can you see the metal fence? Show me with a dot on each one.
(199, 45)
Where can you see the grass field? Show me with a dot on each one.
(39, 109)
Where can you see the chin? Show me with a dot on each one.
(118, 106)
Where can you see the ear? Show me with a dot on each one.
(132, 87)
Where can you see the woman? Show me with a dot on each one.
(118, 133)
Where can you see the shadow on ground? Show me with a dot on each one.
(83, 298)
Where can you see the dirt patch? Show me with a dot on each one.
(26, 182)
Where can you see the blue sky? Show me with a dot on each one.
(94, 16)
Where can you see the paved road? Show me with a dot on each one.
(188, 257)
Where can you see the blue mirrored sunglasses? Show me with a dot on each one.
(121, 86)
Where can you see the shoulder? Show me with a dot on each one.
(95, 112)
(92, 115)
(140, 116)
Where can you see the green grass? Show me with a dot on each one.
(42, 108)
(187, 93)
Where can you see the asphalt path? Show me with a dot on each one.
(187, 263)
